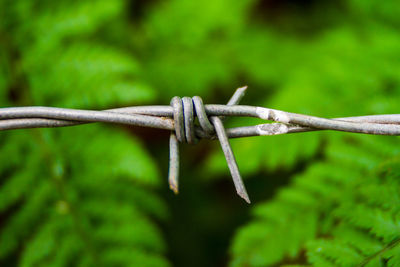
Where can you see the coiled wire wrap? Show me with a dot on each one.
(184, 112)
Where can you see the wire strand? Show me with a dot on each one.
(180, 117)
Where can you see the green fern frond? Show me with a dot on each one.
(349, 224)
(93, 200)
(79, 196)
(101, 74)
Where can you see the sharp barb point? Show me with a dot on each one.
(174, 188)
(245, 197)
(237, 96)
(244, 88)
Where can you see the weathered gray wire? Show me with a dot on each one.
(227, 149)
(179, 118)
(158, 117)
(230, 158)
(173, 171)
(280, 128)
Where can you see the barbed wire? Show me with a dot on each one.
(179, 117)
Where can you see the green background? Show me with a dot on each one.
(97, 195)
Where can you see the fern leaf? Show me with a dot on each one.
(79, 196)
(350, 225)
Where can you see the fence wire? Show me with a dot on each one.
(179, 118)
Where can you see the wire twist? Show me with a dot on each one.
(179, 117)
(185, 110)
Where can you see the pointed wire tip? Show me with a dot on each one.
(174, 188)
(237, 96)
(243, 88)
(244, 196)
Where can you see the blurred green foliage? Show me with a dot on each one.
(78, 196)
(88, 195)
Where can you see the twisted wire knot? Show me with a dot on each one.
(185, 110)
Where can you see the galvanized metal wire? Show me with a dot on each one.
(180, 118)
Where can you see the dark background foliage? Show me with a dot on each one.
(97, 195)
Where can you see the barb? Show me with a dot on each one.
(180, 116)
(226, 147)
(183, 113)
